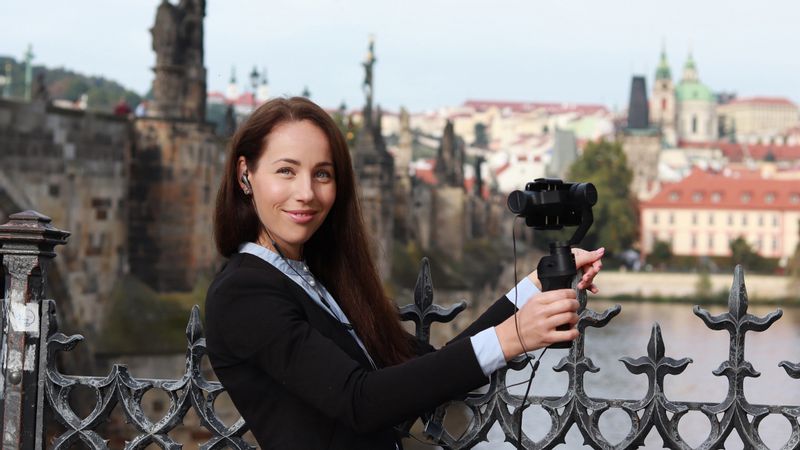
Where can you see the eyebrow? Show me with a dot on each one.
(297, 163)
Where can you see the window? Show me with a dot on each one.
(711, 218)
(710, 241)
(655, 218)
(746, 196)
(694, 218)
(730, 219)
(760, 220)
(671, 218)
(54, 190)
(694, 124)
(674, 196)
(716, 197)
(775, 220)
(663, 104)
(769, 197)
(775, 244)
(694, 242)
(697, 196)
(794, 198)
(744, 219)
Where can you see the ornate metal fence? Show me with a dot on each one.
(32, 382)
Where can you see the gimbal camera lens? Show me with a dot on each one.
(583, 193)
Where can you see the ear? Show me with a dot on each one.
(241, 169)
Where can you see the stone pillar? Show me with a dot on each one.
(26, 246)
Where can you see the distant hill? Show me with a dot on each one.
(65, 84)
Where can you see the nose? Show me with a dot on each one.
(304, 189)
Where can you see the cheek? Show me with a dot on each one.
(330, 197)
(273, 193)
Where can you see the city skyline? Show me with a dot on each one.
(434, 54)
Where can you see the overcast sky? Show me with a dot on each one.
(433, 53)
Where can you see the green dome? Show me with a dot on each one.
(693, 90)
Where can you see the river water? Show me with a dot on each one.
(685, 335)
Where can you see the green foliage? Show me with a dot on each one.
(703, 287)
(615, 214)
(793, 271)
(481, 137)
(65, 84)
(742, 253)
(142, 320)
(661, 255)
(482, 263)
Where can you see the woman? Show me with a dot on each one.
(298, 328)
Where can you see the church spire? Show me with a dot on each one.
(662, 71)
(690, 69)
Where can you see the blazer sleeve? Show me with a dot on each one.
(499, 311)
(266, 326)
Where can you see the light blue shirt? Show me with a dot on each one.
(485, 344)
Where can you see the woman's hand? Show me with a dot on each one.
(537, 322)
(589, 262)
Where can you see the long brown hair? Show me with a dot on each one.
(338, 253)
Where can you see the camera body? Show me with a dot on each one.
(551, 204)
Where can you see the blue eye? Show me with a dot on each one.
(284, 171)
(324, 174)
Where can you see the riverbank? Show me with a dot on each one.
(684, 287)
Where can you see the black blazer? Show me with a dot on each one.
(300, 380)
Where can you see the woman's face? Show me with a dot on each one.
(294, 185)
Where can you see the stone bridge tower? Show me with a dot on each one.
(179, 86)
(176, 159)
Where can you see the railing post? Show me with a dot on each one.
(26, 246)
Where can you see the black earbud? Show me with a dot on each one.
(246, 183)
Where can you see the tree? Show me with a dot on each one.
(793, 268)
(661, 255)
(481, 138)
(742, 253)
(615, 214)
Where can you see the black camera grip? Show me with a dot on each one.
(556, 271)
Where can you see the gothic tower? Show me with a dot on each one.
(662, 102)
(641, 141)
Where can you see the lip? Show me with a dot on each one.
(299, 216)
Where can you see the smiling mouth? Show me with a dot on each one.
(301, 216)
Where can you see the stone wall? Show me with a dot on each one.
(72, 166)
(657, 284)
(176, 166)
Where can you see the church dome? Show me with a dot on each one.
(690, 87)
(693, 90)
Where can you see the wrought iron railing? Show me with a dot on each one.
(32, 382)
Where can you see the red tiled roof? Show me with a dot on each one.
(734, 190)
(735, 152)
(551, 107)
(762, 100)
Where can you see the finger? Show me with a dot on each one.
(593, 289)
(561, 336)
(583, 257)
(565, 318)
(546, 298)
(560, 307)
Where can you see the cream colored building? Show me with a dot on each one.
(701, 214)
(759, 119)
(696, 107)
